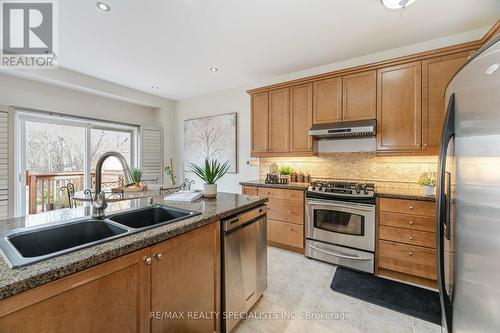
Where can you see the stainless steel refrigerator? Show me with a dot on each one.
(468, 197)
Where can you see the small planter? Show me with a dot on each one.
(209, 190)
(429, 190)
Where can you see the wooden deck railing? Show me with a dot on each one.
(44, 189)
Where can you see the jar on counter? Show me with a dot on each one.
(293, 177)
(300, 177)
(307, 178)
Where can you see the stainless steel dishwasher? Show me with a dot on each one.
(244, 271)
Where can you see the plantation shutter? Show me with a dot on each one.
(151, 153)
(4, 165)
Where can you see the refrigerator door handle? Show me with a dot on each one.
(442, 217)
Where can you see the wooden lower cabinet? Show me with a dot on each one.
(185, 278)
(287, 234)
(111, 297)
(285, 212)
(413, 260)
(119, 295)
(406, 246)
(249, 190)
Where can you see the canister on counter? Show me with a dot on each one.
(293, 177)
(300, 177)
(307, 178)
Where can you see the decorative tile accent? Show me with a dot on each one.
(396, 171)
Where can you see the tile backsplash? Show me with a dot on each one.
(366, 166)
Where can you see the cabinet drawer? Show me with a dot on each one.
(285, 233)
(279, 193)
(412, 237)
(409, 259)
(412, 222)
(286, 210)
(425, 208)
(250, 190)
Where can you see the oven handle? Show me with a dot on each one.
(343, 205)
(336, 254)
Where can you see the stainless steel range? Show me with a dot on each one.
(340, 224)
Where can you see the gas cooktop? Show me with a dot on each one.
(342, 189)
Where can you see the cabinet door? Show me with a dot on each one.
(279, 120)
(300, 117)
(399, 110)
(260, 125)
(111, 297)
(359, 96)
(186, 279)
(436, 74)
(327, 106)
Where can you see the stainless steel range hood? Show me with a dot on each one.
(344, 130)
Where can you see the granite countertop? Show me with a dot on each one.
(289, 186)
(402, 193)
(16, 280)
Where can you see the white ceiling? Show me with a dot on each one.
(173, 43)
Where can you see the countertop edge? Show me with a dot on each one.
(43, 278)
(405, 196)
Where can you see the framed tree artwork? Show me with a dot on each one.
(211, 137)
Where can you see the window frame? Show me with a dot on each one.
(21, 117)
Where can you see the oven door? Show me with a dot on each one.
(341, 223)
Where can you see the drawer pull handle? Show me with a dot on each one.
(411, 222)
(411, 207)
(411, 237)
(290, 212)
(148, 261)
(158, 256)
(410, 253)
(290, 195)
(289, 228)
(268, 192)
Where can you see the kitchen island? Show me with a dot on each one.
(172, 267)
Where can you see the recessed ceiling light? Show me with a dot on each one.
(214, 69)
(156, 87)
(397, 4)
(103, 6)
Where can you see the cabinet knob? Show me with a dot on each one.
(158, 256)
(148, 261)
(417, 144)
(410, 253)
(289, 228)
(425, 144)
(290, 195)
(411, 207)
(410, 223)
(411, 237)
(290, 212)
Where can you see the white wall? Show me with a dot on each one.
(237, 100)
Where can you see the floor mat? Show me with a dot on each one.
(414, 301)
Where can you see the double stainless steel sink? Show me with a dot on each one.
(26, 246)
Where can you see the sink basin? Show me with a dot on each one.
(151, 217)
(30, 246)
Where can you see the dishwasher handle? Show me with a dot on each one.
(239, 220)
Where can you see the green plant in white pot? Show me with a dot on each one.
(210, 173)
(428, 182)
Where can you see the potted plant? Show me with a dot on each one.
(428, 182)
(285, 172)
(210, 173)
(136, 176)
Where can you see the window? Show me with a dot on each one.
(57, 150)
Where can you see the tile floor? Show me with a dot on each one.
(300, 287)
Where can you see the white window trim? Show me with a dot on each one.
(19, 150)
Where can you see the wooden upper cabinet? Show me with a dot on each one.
(279, 120)
(436, 74)
(359, 96)
(260, 122)
(301, 117)
(327, 105)
(399, 108)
